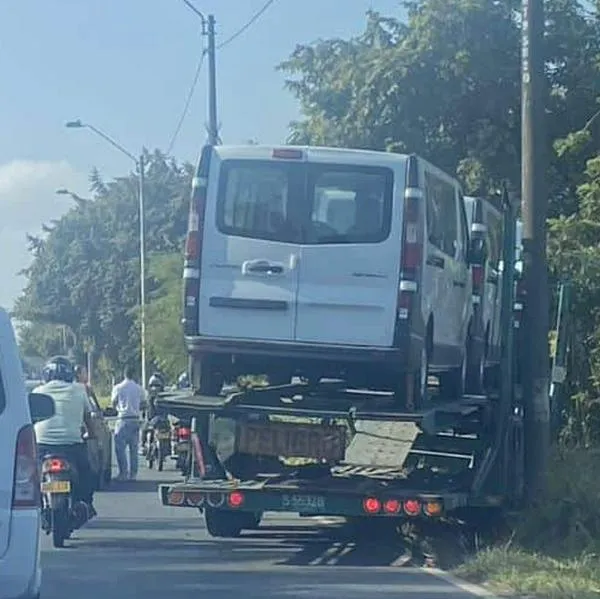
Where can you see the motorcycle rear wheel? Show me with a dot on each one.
(60, 527)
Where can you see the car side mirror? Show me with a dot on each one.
(41, 407)
(109, 412)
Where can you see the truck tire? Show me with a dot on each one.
(223, 523)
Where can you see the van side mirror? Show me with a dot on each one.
(41, 407)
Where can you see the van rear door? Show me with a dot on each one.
(8, 438)
(249, 272)
(349, 269)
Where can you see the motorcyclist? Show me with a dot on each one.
(63, 432)
(183, 381)
(156, 385)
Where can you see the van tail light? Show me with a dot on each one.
(26, 482)
(193, 246)
(412, 243)
(477, 272)
(184, 433)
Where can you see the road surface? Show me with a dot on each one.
(138, 549)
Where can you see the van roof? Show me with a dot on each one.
(312, 153)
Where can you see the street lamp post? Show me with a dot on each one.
(140, 164)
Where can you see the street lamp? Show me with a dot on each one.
(139, 162)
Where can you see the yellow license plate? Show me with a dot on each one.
(163, 436)
(56, 486)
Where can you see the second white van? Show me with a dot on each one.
(326, 262)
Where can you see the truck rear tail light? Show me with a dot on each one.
(26, 480)
(176, 498)
(235, 499)
(371, 505)
(433, 508)
(412, 507)
(392, 506)
(194, 499)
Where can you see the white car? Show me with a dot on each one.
(327, 263)
(20, 572)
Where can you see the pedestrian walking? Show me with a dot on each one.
(128, 399)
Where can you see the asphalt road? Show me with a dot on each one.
(136, 548)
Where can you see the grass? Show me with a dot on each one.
(554, 551)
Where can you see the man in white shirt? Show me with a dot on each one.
(128, 399)
(63, 432)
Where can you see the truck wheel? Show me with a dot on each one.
(223, 523)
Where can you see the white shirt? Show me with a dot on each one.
(70, 405)
(128, 397)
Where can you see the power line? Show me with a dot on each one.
(241, 30)
(187, 103)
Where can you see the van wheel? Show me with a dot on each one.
(415, 382)
(474, 383)
(207, 380)
(452, 383)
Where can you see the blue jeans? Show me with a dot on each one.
(127, 435)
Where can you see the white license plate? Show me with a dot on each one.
(56, 486)
(306, 504)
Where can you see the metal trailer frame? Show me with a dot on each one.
(483, 433)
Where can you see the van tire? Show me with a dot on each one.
(418, 379)
(452, 382)
(206, 379)
(475, 378)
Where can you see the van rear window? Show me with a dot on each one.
(305, 203)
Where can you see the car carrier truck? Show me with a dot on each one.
(323, 449)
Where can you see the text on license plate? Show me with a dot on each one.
(307, 504)
(56, 486)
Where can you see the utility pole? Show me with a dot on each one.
(142, 218)
(208, 30)
(534, 209)
(213, 124)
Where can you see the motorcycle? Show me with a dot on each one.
(158, 442)
(61, 512)
(181, 445)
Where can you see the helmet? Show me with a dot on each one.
(58, 369)
(183, 380)
(156, 381)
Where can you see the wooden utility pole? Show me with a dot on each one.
(534, 209)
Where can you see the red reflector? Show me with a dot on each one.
(235, 499)
(392, 506)
(412, 507)
(54, 465)
(371, 505)
(288, 154)
(184, 433)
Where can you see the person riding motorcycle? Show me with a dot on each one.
(156, 385)
(183, 382)
(63, 432)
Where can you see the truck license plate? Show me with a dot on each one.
(56, 486)
(306, 504)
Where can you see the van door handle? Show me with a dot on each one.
(261, 267)
(459, 284)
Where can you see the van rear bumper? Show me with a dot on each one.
(406, 354)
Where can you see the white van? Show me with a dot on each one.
(323, 262)
(20, 573)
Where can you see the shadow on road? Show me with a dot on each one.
(135, 486)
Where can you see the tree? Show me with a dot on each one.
(85, 270)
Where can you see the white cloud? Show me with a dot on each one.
(28, 199)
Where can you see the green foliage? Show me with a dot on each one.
(163, 315)
(85, 270)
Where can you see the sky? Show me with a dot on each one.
(126, 66)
